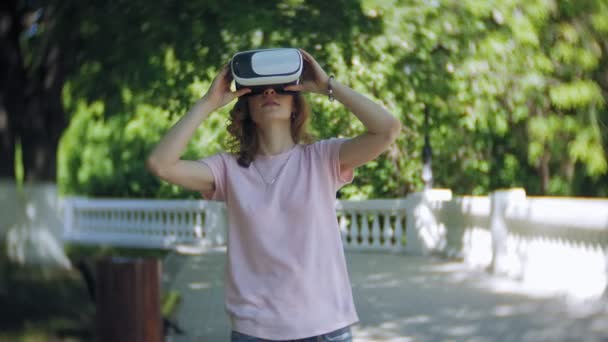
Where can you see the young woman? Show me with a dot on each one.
(286, 275)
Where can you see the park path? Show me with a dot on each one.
(403, 298)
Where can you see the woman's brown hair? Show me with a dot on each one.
(243, 130)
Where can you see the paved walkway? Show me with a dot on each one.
(403, 298)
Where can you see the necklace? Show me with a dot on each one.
(269, 183)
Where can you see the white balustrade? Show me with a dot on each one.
(557, 239)
(142, 223)
(364, 225)
(372, 224)
(548, 243)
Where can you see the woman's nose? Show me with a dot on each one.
(269, 91)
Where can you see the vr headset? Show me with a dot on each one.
(267, 68)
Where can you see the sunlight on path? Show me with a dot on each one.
(405, 298)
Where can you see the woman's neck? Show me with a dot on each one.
(274, 140)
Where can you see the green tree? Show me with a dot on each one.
(124, 99)
(516, 90)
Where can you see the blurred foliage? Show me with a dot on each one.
(516, 90)
(43, 304)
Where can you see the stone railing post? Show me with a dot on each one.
(216, 223)
(500, 200)
(421, 223)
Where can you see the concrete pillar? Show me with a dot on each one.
(35, 238)
(421, 223)
(500, 200)
(216, 223)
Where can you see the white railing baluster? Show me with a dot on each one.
(342, 223)
(115, 221)
(376, 231)
(189, 225)
(183, 228)
(128, 220)
(147, 222)
(179, 217)
(198, 225)
(364, 230)
(139, 222)
(387, 231)
(398, 233)
(354, 229)
(120, 222)
(174, 222)
(159, 215)
(167, 222)
(91, 219)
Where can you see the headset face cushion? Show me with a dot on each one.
(266, 67)
(278, 88)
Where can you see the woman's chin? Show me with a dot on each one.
(271, 109)
(274, 112)
(272, 117)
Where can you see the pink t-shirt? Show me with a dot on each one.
(286, 275)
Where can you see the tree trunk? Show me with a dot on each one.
(12, 81)
(544, 171)
(31, 112)
(43, 120)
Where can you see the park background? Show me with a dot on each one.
(515, 91)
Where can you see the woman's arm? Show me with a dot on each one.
(382, 127)
(164, 160)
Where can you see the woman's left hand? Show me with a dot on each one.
(314, 78)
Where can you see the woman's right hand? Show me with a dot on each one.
(219, 94)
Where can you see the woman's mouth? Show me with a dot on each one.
(269, 103)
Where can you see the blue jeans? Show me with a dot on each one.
(342, 335)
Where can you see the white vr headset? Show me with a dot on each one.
(267, 68)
